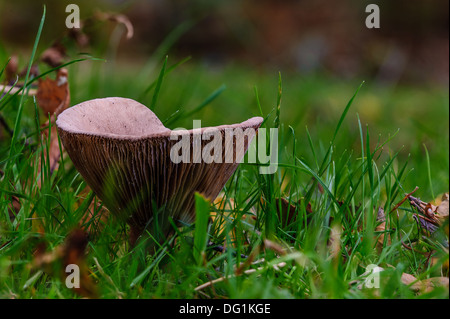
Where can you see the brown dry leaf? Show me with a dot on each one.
(72, 251)
(442, 209)
(53, 96)
(408, 279)
(421, 286)
(119, 18)
(426, 285)
(54, 153)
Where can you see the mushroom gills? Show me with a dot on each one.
(122, 150)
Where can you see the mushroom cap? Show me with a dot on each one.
(122, 150)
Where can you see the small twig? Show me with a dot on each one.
(412, 249)
(403, 200)
(428, 259)
(247, 272)
(249, 261)
(428, 220)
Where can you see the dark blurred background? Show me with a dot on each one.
(301, 36)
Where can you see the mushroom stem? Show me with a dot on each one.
(135, 233)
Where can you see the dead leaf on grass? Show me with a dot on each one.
(443, 207)
(425, 285)
(54, 153)
(53, 96)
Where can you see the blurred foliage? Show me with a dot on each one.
(302, 36)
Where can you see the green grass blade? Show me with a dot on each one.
(158, 85)
(279, 94)
(170, 69)
(207, 101)
(20, 110)
(201, 227)
(175, 116)
(429, 172)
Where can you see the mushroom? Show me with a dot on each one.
(133, 163)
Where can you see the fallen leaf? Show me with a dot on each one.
(408, 279)
(442, 209)
(53, 96)
(418, 286)
(426, 285)
(54, 153)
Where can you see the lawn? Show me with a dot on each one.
(349, 150)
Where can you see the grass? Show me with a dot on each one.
(341, 158)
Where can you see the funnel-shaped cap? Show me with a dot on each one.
(143, 171)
